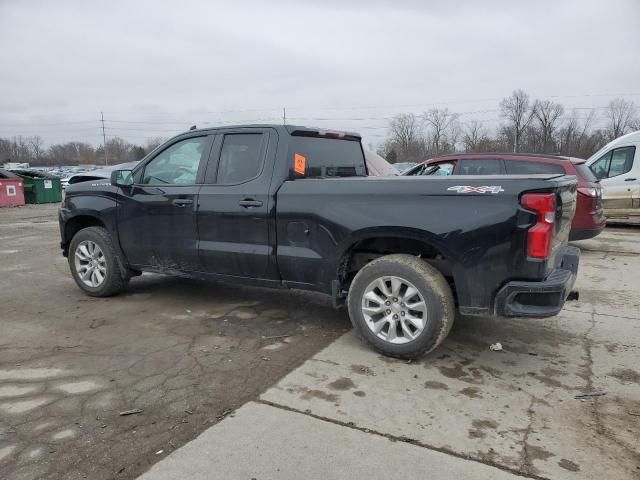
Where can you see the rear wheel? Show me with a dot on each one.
(94, 264)
(401, 305)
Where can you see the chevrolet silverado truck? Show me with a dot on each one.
(293, 207)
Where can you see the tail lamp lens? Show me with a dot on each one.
(540, 235)
(588, 191)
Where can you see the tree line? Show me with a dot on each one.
(31, 149)
(532, 126)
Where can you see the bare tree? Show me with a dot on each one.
(515, 109)
(548, 114)
(443, 129)
(118, 150)
(405, 137)
(622, 116)
(473, 134)
(575, 138)
(36, 145)
(152, 143)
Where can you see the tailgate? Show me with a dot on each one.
(566, 191)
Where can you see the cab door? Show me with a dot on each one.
(619, 174)
(236, 217)
(157, 214)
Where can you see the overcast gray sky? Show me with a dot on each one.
(339, 64)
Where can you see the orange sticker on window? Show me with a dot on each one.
(299, 164)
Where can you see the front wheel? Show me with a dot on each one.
(93, 262)
(401, 305)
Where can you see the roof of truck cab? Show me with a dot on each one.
(291, 129)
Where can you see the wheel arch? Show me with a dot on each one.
(77, 223)
(367, 244)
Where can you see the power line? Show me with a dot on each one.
(104, 140)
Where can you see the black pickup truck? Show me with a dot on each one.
(293, 207)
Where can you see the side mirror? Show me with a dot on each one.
(121, 178)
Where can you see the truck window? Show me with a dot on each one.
(177, 165)
(444, 169)
(241, 157)
(329, 157)
(522, 167)
(480, 166)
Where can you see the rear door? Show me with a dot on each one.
(236, 210)
(157, 215)
(619, 174)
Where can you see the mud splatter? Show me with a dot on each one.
(436, 385)
(538, 453)
(362, 370)
(453, 372)
(343, 383)
(471, 392)
(482, 424)
(569, 465)
(474, 375)
(479, 427)
(626, 375)
(328, 397)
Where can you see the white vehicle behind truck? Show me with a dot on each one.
(617, 166)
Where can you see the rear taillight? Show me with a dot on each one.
(540, 235)
(589, 191)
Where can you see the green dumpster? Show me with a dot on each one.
(40, 187)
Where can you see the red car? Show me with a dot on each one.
(589, 219)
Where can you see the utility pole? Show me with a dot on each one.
(104, 139)
(284, 116)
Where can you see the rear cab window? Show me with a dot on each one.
(315, 157)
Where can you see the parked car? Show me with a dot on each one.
(589, 219)
(99, 174)
(617, 166)
(403, 166)
(285, 206)
(378, 166)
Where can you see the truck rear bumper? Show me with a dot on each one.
(540, 299)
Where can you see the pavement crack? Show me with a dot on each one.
(587, 344)
(418, 443)
(526, 465)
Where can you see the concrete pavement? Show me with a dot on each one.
(266, 442)
(463, 411)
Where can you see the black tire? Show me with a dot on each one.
(115, 279)
(431, 285)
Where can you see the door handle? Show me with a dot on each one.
(182, 202)
(249, 202)
(630, 179)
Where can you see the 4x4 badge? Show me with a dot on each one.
(470, 189)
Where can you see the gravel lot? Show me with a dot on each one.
(189, 353)
(185, 352)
